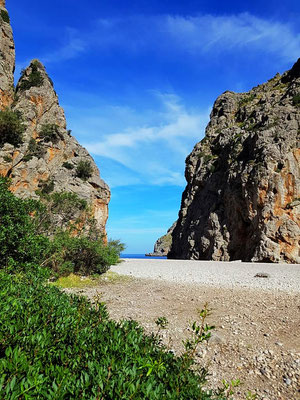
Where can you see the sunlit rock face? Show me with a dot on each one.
(7, 59)
(242, 199)
(49, 154)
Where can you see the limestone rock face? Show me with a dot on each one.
(7, 59)
(163, 244)
(49, 156)
(242, 199)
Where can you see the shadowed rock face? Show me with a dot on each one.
(242, 199)
(44, 159)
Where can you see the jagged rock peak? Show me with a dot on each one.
(37, 100)
(242, 199)
(7, 58)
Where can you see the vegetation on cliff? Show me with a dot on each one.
(11, 128)
(34, 232)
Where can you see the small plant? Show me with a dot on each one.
(68, 165)
(296, 100)
(5, 16)
(229, 387)
(7, 159)
(34, 149)
(35, 77)
(11, 128)
(200, 332)
(247, 99)
(50, 133)
(46, 187)
(84, 170)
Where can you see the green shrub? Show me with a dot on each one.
(81, 255)
(7, 159)
(55, 346)
(50, 133)
(84, 170)
(47, 186)
(34, 149)
(68, 165)
(11, 128)
(5, 16)
(18, 241)
(296, 100)
(247, 99)
(61, 210)
(35, 77)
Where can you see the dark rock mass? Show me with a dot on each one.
(242, 199)
(48, 156)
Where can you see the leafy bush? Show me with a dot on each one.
(5, 16)
(23, 228)
(18, 241)
(68, 165)
(296, 100)
(61, 210)
(55, 346)
(7, 159)
(34, 149)
(35, 77)
(50, 133)
(47, 186)
(11, 128)
(80, 255)
(84, 170)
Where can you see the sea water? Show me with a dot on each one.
(139, 256)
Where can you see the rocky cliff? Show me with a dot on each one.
(45, 156)
(163, 244)
(242, 199)
(7, 58)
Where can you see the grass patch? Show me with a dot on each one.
(75, 281)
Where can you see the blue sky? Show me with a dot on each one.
(137, 80)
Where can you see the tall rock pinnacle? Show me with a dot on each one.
(7, 58)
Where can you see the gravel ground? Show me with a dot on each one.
(257, 334)
(236, 274)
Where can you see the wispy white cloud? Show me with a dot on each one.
(74, 45)
(228, 33)
(194, 35)
(155, 153)
(200, 34)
